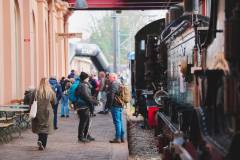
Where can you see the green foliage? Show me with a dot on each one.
(102, 33)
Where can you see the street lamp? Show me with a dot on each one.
(116, 42)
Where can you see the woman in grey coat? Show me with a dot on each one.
(42, 124)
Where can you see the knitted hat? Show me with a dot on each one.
(83, 76)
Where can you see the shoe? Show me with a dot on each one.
(122, 140)
(84, 140)
(92, 115)
(40, 146)
(90, 138)
(115, 141)
(105, 112)
(62, 116)
(101, 112)
(135, 114)
(55, 128)
(67, 116)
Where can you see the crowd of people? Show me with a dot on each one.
(79, 92)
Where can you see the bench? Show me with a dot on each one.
(25, 120)
(7, 119)
(6, 131)
(16, 117)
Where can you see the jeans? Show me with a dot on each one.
(43, 138)
(55, 110)
(64, 106)
(84, 116)
(117, 121)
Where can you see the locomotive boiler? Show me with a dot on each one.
(188, 65)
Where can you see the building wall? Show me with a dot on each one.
(82, 64)
(42, 9)
(26, 45)
(9, 74)
(1, 52)
(52, 37)
(29, 48)
(60, 40)
(66, 44)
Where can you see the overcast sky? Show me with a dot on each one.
(80, 21)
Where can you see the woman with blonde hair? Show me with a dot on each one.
(42, 124)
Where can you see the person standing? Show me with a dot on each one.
(116, 109)
(42, 123)
(62, 82)
(65, 99)
(106, 89)
(58, 91)
(71, 92)
(92, 86)
(72, 74)
(83, 104)
(102, 94)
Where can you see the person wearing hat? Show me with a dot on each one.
(84, 102)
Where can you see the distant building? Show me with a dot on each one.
(80, 64)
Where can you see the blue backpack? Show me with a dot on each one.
(72, 91)
(56, 88)
(80, 102)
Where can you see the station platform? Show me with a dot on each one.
(63, 144)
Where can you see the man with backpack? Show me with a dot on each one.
(117, 97)
(84, 101)
(71, 92)
(58, 91)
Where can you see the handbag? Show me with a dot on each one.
(33, 110)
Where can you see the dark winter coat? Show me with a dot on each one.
(43, 122)
(113, 90)
(56, 88)
(85, 95)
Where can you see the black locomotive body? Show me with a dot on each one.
(193, 58)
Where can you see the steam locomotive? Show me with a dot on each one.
(188, 65)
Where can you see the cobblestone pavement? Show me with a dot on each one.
(63, 145)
